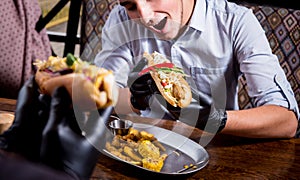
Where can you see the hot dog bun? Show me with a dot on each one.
(88, 85)
(169, 81)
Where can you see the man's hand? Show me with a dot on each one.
(202, 114)
(142, 87)
(69, 146)
(134, 74)
(142, 90)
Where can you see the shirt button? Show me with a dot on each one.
(278, 78)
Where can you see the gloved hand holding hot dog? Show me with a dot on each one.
(169, 82)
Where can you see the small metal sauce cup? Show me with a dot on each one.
(120, 126)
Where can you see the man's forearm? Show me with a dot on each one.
(268, 121)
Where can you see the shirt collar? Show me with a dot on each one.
(198, 17)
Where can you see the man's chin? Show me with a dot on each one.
(167, 36)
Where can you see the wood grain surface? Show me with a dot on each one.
(230, 157)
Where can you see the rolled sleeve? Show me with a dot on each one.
(287, 93)
(272, 89)
(282, 95)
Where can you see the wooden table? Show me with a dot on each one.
(7, 104)
(230, 157)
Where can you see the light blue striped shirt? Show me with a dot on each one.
(223, 41)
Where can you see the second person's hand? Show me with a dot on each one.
(68, 147)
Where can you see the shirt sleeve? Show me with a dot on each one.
(115, 54)
(266, 80)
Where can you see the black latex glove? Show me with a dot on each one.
(24, 135)
(65, 147)
(142, 87)
(201, 114)
(134, 74)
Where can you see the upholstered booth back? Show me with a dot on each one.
(282, 27)
(95, 13)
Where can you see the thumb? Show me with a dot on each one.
(134, 74)
(140, 65)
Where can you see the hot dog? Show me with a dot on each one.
(169, 80)
(88, 85)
